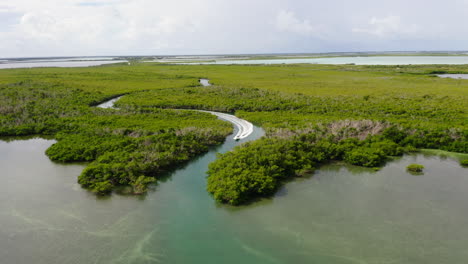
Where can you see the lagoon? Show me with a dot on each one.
(341, 214)
(358, 60)
(57, 62)
(454, 76)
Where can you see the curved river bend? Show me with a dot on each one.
(343, 215)
(244, 127)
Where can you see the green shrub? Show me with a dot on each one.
(141, 184)
(102, 188)
(365, 156)
(464, 162)
(415, 168)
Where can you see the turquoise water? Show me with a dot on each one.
(343, 214)
(373, 60)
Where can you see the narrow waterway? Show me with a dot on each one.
(244, 127)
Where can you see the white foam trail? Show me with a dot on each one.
(245, 128)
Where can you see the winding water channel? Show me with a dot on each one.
(343, 214)
(244, 127)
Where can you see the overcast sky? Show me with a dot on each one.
(152, 27)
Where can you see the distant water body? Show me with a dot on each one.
(62, 62)
(372, 60)
(454, 76)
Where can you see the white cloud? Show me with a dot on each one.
(135, 26)
(287, 21)
(40, 25)
(389, 26)
(100, 27)
(78, 27)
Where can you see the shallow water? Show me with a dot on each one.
(55, 63)
(371, 60)
(343, 214)
(205, 82)
(109, 104)
(454, 76)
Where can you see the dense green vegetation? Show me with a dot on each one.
(464, 162)
(415, 168)
(130, 146)
(311, 113)
(259, 168)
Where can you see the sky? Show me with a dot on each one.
(40, 28)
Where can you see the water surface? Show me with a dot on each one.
(369, 60)
(343, 214)
(64, 62)
(205, 82)
(454, 76)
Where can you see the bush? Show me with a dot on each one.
(415, 168)
(102, 188)
(140, 186)
(388, 147)
(365, 156)
(258, 168)
(464, 162)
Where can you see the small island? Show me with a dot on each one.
(464, 163)
(415, 168)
